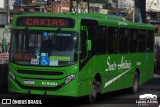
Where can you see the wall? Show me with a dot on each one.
(4, 40)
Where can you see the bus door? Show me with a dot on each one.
(85, 44)
(86, 66)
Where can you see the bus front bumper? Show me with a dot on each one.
(69, 89)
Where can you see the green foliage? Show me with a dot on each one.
(107, 5)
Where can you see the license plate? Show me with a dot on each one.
(28, 82)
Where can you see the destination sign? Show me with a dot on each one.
(45, 22)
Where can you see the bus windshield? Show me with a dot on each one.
(43, 48)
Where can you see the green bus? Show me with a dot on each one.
(78, 54)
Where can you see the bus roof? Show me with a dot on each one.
(102, 19)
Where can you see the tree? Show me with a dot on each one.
(107, 5)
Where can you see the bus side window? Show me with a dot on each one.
(99, 39)
(133, 40)
(141, 40)
(123, 40)
(150, 40)
(112, 40)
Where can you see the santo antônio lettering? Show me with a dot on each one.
(45, 22)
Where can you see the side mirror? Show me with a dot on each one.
(89, 45)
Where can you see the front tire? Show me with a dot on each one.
(96, 88)
(93, 96)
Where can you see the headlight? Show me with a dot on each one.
(11, 74)
(70, 78)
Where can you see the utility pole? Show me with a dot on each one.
(133, 11)
(60, 8)
(81, 5)
(8, 11)
(140, 11)
(52, 6)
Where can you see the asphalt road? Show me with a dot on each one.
(120, 98)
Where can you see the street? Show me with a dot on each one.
(120, 98)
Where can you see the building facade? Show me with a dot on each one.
(4, 13)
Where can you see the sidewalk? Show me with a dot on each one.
(156, 75)
(153, 84)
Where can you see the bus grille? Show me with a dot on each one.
(54, 73)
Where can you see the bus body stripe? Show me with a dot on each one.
(114, 79)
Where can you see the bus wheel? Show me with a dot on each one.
(96, 87)
(135, 83)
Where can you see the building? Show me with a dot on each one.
(32, 6)
(4, 7)
(153, 11)
(26, 6)
(4, 30)
(152, 5)
(153, 15)
(128, 4)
